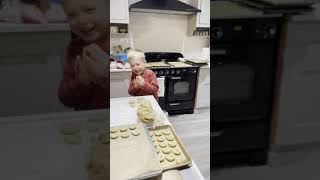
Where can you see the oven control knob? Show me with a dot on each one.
(217, 32)
(178, 71)
(172, 72)
(161, 72)
(193, 71)
(167, 72)
(270, 31)
(156, 72)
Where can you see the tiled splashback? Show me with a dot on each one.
(161, 32)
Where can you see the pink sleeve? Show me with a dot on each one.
(151, 86)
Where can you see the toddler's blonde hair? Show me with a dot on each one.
(136, 54)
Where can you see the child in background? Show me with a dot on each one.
(85, 83)
(143, 81)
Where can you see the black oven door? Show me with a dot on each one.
(242, 81)
(180, 87)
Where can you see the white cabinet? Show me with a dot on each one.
(30, 72)
(119, 84)
(119, 11)
(203, 90)
(202, 19)
(296, 118)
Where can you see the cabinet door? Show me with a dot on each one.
(203, 91)
(119, 11)
(119, 85)
(204, 16)
(299, 100)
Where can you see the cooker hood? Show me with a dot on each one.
(163, 7)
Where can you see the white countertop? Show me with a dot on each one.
(121, 113)
(33, 147)
(13, 27)
(120, 70)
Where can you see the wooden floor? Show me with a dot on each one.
(194, 131)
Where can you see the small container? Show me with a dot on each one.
(114, 29)
(123, 57)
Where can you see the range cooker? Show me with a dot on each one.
(243, 53)
(180, 83)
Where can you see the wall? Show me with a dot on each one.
(162, 32)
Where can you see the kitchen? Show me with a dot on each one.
(27, 57)
(264, 130)
(166, 36)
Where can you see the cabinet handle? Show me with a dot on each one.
(217, 134)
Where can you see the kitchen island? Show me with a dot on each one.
(121, 114)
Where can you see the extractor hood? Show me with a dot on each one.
(163, 7)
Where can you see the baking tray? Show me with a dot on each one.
(173, 165)
(157, 170)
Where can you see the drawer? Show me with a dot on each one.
(239, 136)
(179, 105)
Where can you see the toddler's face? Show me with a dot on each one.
(137, 66)
(87, 19)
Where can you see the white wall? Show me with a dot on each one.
(163, 32)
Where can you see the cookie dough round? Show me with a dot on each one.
(163, 144)
(135, 132)
(70, 131)
(160, 139)
(125, 134)
(131, 101)
(123, 129)
(72, 139)
(180, 159)
(158, 133)
(113, 130)
(133, 127)
(114, 135)
(170, 138)
(170, 157)
(172, 144)
(176, 151)
(153, 139)
(161, 157)
(166, 150)
(166, 132)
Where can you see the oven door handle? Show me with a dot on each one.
(174, 104)
(175, 78)
(217, 134)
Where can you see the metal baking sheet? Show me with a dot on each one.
(174, 165)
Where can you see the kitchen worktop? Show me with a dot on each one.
(117, 118)
(14, 27)
(34, 148)
(129, 70)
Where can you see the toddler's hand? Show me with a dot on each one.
(140, 81)
(135, 84)
(81, 71)
(96, 60)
